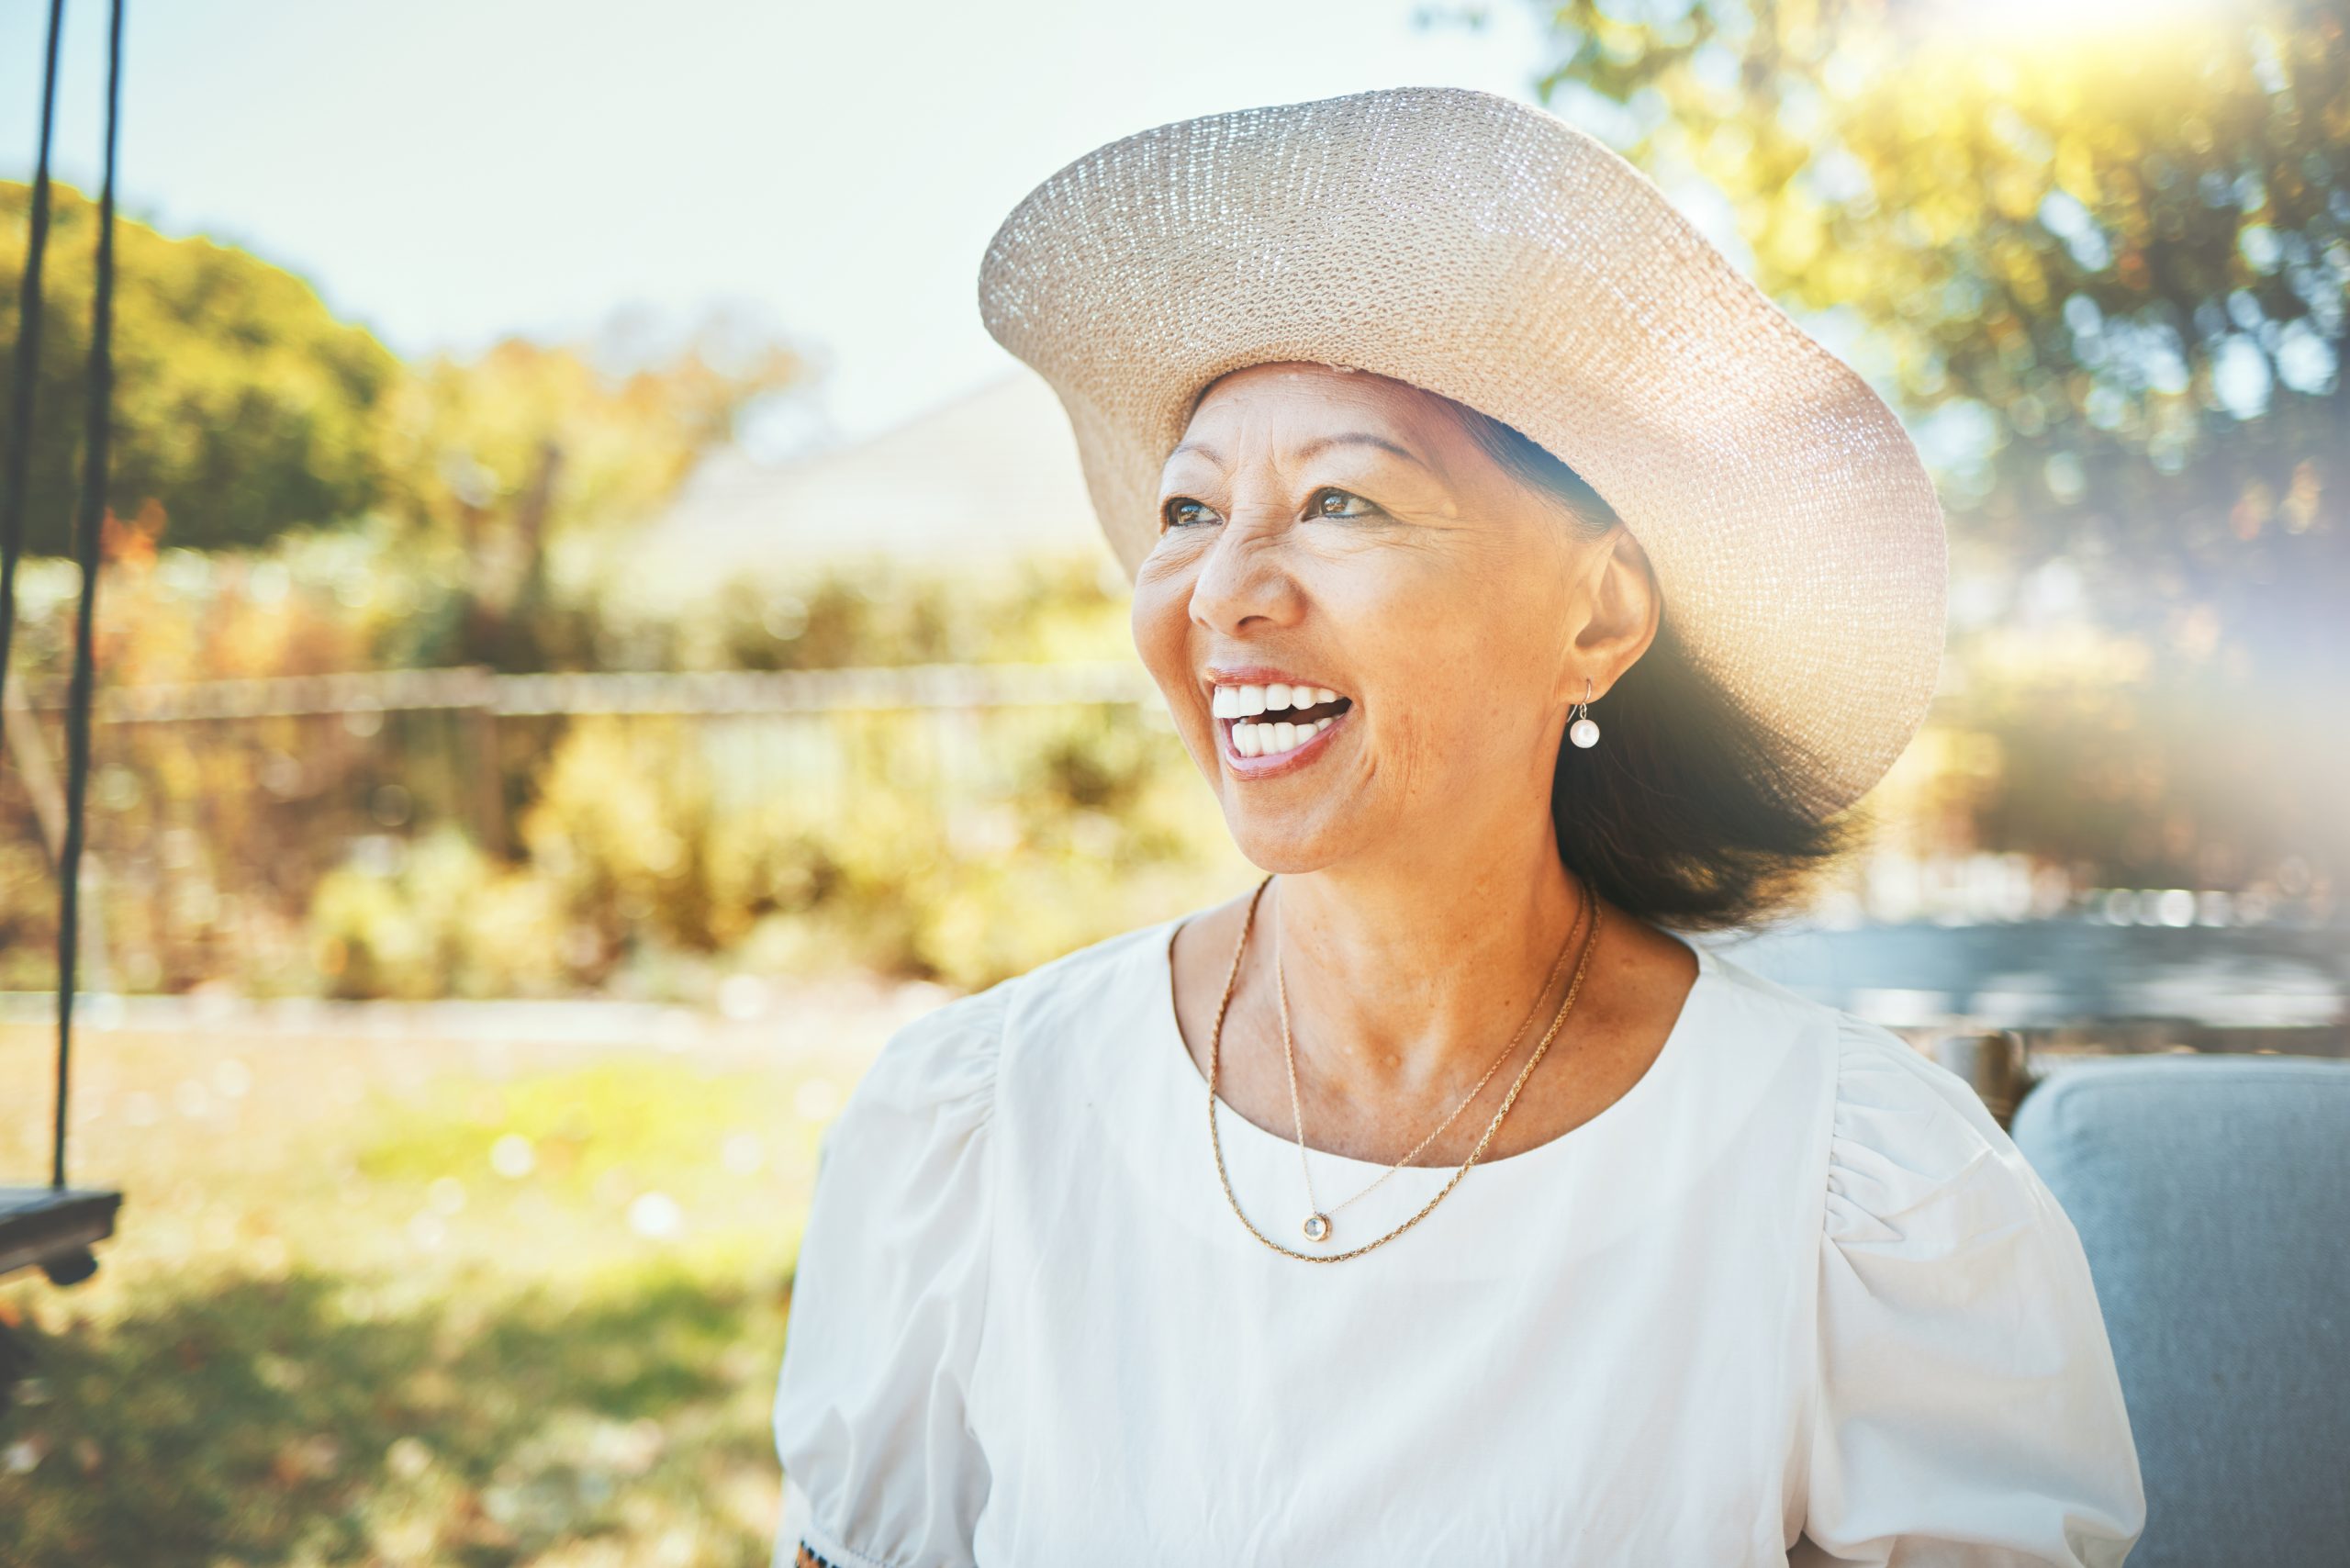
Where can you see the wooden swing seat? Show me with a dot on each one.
(53, 1228)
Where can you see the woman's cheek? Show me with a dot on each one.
(1157, 620)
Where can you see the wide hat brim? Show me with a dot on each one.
(1485, 250)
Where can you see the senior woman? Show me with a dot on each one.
(1524, 584)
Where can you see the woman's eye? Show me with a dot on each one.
(1329, 502)
(1183, 510)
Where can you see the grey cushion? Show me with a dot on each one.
(2212, 1195)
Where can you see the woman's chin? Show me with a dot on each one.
(1283, 849)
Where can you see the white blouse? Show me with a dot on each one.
(1795, 1284)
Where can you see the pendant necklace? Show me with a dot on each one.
(1318, 1220)
(1216, 1051)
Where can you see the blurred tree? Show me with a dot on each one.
(497, 459)
(2101, 259)
(243, 407)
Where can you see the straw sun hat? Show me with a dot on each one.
(1486, 250)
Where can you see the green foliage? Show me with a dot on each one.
(242, 406)
(467, 437)
(449, 923)
(636, 856)
(2120, 270)
(648, 870)
(503, 462)
(879, 612)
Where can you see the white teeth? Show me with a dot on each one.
(1271, 740)
(1244, 702)
(1324, 722)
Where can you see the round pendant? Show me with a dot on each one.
(1317, 1228)
(1583, 733)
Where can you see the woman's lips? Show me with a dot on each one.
(1302, 755)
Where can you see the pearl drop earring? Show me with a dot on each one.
(1582, 732)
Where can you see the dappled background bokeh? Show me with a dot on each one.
(528, 789)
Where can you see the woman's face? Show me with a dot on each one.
(1343, 532)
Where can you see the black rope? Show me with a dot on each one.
(88, 527)
(20, 405)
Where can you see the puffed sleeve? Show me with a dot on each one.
(888, 1305)
(1967, 1412)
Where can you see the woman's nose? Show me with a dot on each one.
(1244, 579)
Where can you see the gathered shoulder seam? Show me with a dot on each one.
(1852, 1034)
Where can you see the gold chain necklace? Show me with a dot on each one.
(1215, 1045)
(1318, 1220)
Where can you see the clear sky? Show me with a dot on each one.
(450, 171)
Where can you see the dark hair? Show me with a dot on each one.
(1684, 814)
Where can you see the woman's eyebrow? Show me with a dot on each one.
(1318, 445)
(1357, 438)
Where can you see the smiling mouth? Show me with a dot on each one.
(1261, 739)
(1253, 727)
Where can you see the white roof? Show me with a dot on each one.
(990, 476)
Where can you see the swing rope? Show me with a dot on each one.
(89, 521)
(89, 530)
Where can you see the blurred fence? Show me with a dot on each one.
(718, 691)
(217, 807)
(465, 750)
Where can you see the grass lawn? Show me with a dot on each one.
(396, 1301)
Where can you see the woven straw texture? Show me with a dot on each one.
(1486, 250)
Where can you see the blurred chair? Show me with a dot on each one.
(2211, 1194)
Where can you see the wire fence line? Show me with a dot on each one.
(223, 808)
(607, 692)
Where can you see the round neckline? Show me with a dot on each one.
(1644, 1088)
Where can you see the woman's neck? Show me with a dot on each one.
(1402, 978)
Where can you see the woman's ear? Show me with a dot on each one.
(1625, 606)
